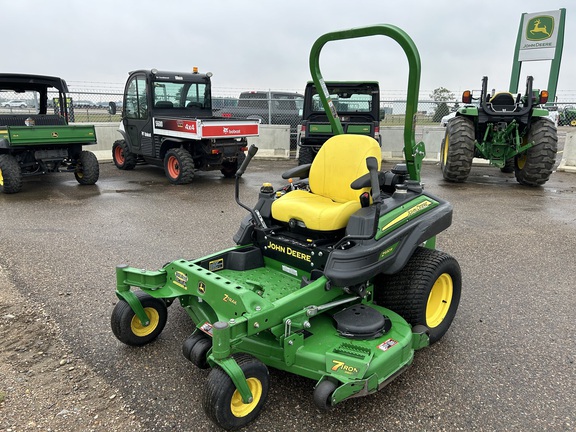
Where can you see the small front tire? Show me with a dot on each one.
(457, 152)
(127, 327)
(323, 394)
(222, 401)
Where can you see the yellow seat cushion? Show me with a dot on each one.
(331, 201)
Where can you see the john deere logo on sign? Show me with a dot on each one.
(540, 28)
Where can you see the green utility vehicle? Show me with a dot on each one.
(358, 106)
(512, 132)
(168, 121)
(335, 278)
(35, 141)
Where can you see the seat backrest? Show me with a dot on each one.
(340, 161)
(164, 104)
(503, 101)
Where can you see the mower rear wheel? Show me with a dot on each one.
(10, 175)
(122, 157)
(223, 403)
(425, 292)
(323, 394)
(196, 348)
(179, 166)
(457, 150)
(127, 327)
(534, 166)
(87, 168)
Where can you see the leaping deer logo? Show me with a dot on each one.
(538, 29)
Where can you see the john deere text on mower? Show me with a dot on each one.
(512, 133)
(335, 277)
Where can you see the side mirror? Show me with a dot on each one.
(112, 108)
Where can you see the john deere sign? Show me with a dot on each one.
(539, 36)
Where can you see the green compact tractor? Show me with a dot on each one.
(512, 133)
(334, 277)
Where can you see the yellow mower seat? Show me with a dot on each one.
(331, 201)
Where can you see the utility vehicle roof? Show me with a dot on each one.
(22, 82)
(346, 83)
(173, 76)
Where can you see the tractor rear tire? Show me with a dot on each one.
(534, 166)
(87, 168)
(179, 166)
(10, 175)
(457, 150)
(122, 157)
(425, 292)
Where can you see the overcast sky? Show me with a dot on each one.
(265, 44)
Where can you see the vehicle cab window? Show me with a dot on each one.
(136, 103)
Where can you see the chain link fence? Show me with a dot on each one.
(91, 105)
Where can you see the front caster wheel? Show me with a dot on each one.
(127, 327)
(196, 348)
(223, 403)
(323, 394)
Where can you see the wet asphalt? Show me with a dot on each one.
(507, 362)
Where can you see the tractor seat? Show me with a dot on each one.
(331, 201)
(503, 101)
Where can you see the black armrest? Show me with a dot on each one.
(302, 171)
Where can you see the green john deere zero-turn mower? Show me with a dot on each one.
(512, 132)
(335, 277)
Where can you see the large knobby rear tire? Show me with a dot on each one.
(457, 150)
(534, 166)
(425, 292)
(127, 327)
(222, 401)
(122, 157)
(179, 166)
(87, 168)
(10, 175)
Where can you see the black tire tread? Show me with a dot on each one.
(130, 159)
(186, 166)
(88, 167)
(407, 291)
(461, 137)
(541, 157)
(11, 174)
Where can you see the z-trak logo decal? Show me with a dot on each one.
(418, 208)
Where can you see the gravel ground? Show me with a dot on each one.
(44, 385)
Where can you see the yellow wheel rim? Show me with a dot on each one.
(239, 408)
(439, 300)
(138, 329)
(573, 123)
(445, 155)
(1, 178)
(521, 161)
